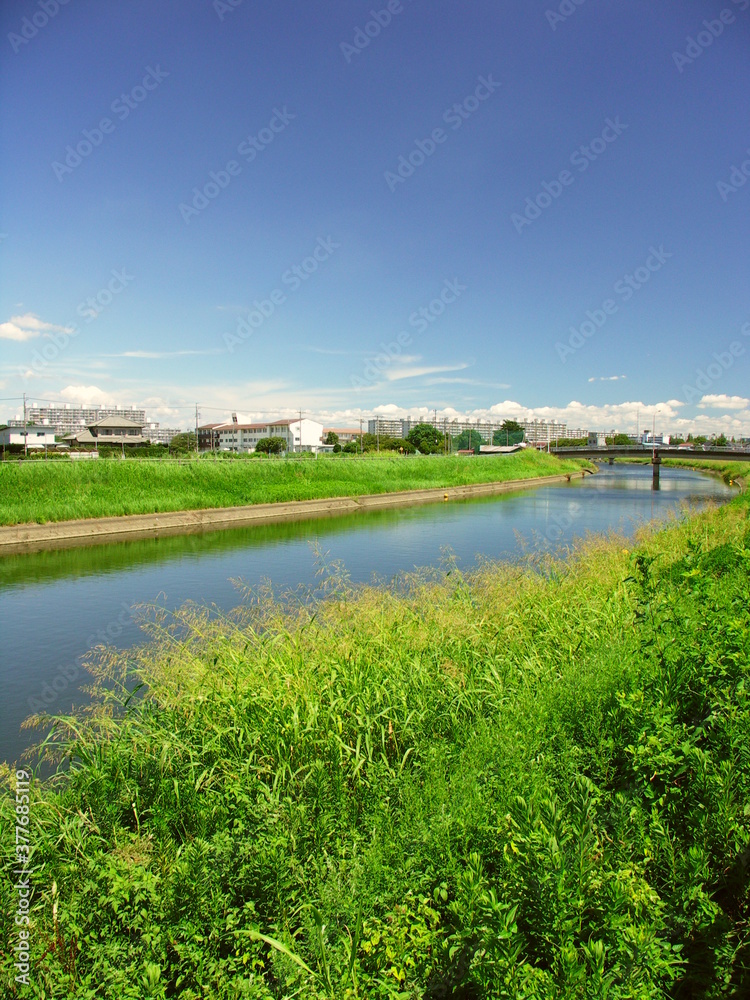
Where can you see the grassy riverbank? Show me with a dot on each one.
(513, 784)
(57, 491)
(730, 472)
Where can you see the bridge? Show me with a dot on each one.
(656, 454)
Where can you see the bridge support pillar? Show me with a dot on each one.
(655, 462)
(611, 461)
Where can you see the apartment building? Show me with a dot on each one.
(386, 427)
(68, 419)
(160, 435)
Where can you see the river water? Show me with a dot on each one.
(56, 606)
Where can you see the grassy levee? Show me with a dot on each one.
(730, 472)
(56, 491)
(529, 782)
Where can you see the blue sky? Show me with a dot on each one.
(523, 209)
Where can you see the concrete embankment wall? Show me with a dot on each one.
(101, 530)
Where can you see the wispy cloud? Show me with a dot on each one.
(607, 378)
(330, 351)
(443, 380)
(397, 374)
(158, 355)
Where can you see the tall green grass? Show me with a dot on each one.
(730, 472)
(56, 491)
(528, 782)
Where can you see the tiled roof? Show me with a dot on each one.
(116, 422)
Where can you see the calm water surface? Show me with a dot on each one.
(56, 606)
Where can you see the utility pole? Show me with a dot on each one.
(300, 429)
(360, 436)
(25, 434)
(196, 428)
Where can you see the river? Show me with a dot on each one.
(56, 606)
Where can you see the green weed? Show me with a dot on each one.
(505, 784)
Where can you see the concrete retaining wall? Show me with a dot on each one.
(101, 530)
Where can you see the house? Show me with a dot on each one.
(112, 430)
(597, 439)
(344, 434)
(33, 436)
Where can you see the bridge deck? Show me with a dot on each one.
(645, 451)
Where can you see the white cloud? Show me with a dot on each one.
(27, 327)
(607, 378)
(721, 401)
(83, 395)
(11, 331)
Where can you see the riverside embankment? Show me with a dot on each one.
(46, 505)
(97, 531)
(494, 783)
(733, 473)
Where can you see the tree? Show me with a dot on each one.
(510, 432)
(183, 443)
(350, 448)
(397, 444)
(426, 439)
(271, 446)
(331, 438)
(721, 441)
(469, 439)
(621, 439)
